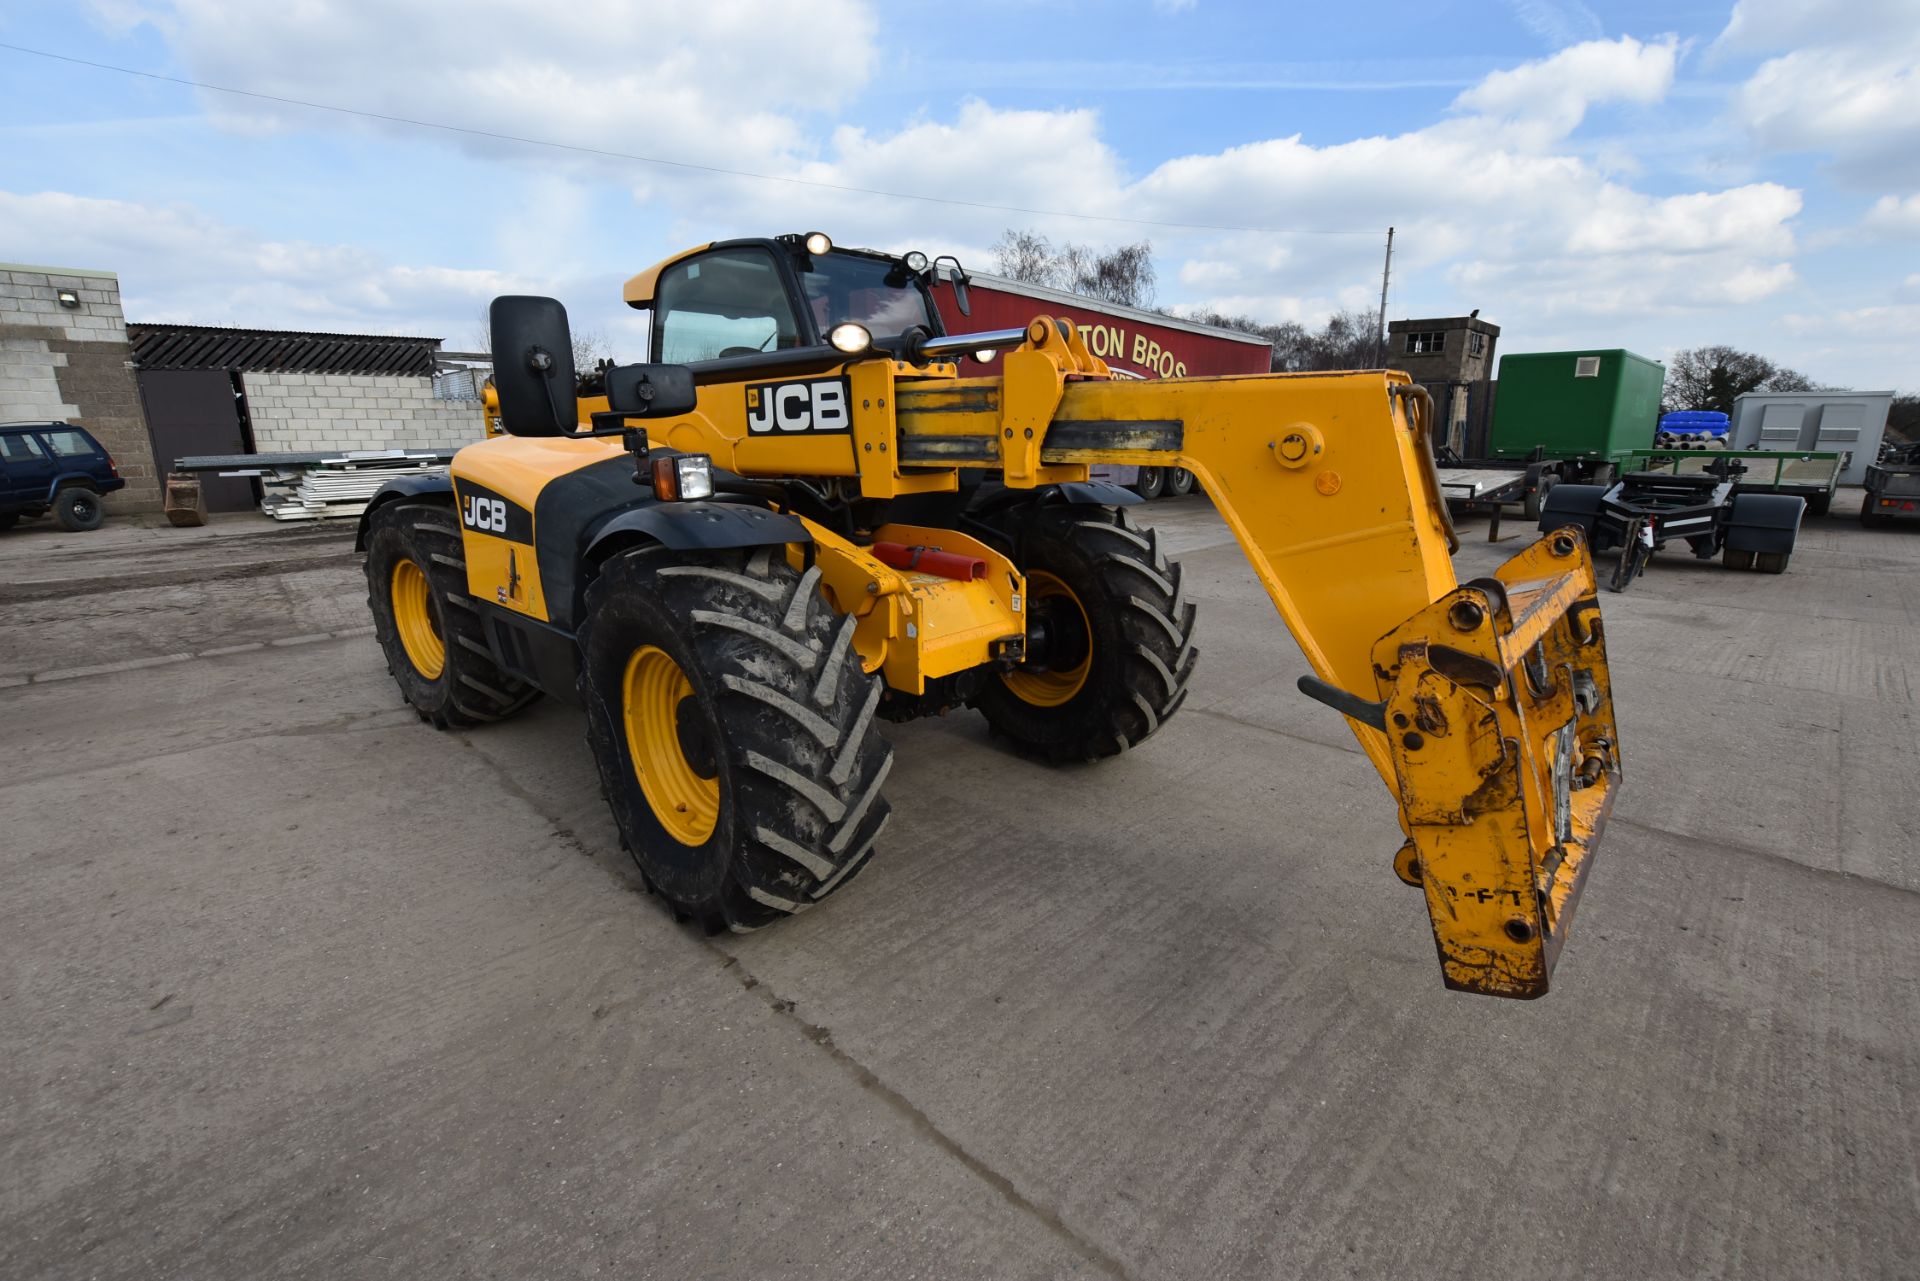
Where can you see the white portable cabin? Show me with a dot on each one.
(1840, 422)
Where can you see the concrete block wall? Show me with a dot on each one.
(300, 413)
(73, 364)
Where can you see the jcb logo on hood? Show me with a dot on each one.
(818, 407)
(485, 512)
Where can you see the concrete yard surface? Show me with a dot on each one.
(293, 985)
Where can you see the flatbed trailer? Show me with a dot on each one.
(1492, 485)
(1809, 476)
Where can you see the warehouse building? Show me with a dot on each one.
(268, 391)
(64, 357)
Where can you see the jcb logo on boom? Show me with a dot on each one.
(819, 407)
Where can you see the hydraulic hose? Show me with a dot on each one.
(1422, 422)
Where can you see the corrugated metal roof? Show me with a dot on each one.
(279, 350)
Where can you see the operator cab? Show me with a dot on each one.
(743, 300)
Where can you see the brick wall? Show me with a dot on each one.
(73, 364)
(299, 413)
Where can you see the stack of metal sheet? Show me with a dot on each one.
(338, 486)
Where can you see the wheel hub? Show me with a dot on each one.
(416, 617)
(1059, 644)
(670, 745)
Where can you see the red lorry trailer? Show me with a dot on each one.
(1134, 343)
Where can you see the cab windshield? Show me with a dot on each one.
(874, 292)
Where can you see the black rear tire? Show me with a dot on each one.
(776, 715)
(1150, 483)
(1139, 629)
(1180, 482)
(469, 688)
(1869, 517)
(1736, 560)
(78, 510)
(1531, 504)
(1772, 562)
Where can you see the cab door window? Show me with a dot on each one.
(732, 302)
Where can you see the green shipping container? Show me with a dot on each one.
(1575, 404)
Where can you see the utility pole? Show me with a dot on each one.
(1380, 338)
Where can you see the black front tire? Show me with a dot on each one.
(1735, 559)
(1772, 562)
(470, 688)
(79, 510)
(1140, 629)
(781, 717)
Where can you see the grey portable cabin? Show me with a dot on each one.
(1841, 422)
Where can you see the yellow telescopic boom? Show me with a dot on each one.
(1486, 706)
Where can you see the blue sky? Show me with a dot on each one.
(1652, 176)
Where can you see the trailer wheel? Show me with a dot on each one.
(1535, 501)
(1736, 560)
(733, 728)
(1820, 504)
(1772, 562)
(1113, 639)
(1180, 482)
(426, 623)
(1869, 517)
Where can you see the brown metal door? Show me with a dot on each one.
(196, 412)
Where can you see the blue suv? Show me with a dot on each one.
(54, 467)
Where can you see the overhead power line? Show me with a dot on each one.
(722, 170)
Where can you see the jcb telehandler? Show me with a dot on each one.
(797, 520)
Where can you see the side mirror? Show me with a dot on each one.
(533, 366)
(650, 391)
(958, 275)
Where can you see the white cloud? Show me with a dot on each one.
(719, 78)
(1550, 97)
(1892, 216)
(1495, 204)
(1846, 83)
(1768, 26)
(1557, 22)
(178, 264)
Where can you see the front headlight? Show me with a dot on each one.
(850, 338)
(682, 477)
(818, 243)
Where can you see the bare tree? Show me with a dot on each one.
(1025, 256)
(590, 350)
(1714, 377)
(481, 339)
(1124, 274)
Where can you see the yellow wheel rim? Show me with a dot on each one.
(686, 804)
(1051, 688)
(413, 616)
